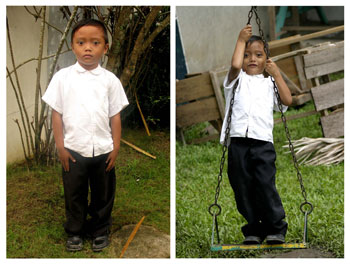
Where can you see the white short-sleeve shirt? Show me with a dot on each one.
(252, 113)
(86, 100)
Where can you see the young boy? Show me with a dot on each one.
(251, 154)
(86, 101)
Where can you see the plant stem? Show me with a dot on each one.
(33, 59)
(37, 88)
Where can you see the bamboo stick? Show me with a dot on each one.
(138, 149)
(131, 237)
(143, 119)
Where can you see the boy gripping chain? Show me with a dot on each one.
(251, 154)
(86, 102)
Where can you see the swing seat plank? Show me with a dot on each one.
(237, 247)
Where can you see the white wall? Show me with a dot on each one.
(25, 35)
(209, 33)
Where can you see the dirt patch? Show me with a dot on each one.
(147, 243)
(300, 253)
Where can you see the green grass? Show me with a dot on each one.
(35, 201)
(197, 168)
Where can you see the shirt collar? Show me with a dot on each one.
(258, 76)
(80, 69)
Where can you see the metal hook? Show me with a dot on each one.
(215, 226)
(211, 206)
(311, 207)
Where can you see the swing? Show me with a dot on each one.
(305, 207)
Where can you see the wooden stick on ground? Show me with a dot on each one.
(143, 119)
(131, 237)
(137, 148)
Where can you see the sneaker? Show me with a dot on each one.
(252, 240)
(99, 243)
(74, 243)
(275, 239)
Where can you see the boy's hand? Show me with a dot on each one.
(245, 33)
(111, 159)
(64, 157)
(271, 68)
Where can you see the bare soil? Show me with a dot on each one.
(299, 253)
(147, 243)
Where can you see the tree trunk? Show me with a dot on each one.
(129, 69)
(114, 57)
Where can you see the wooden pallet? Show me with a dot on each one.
(329, 96)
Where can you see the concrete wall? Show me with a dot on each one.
(25, 35)
(209, 34)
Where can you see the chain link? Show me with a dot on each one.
(250, 14)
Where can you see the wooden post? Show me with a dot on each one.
(295, 15)
(299, 64)
(218, 94)
(272, 22)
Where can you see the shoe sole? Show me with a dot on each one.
(251, 242)
(74, 249)
(274, 242)
(98, 249)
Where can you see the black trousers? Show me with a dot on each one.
(251, 172)
(83, 173)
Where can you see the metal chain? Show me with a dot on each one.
(291, 147)
(250, 14)
(224, 149)
(261, 32)
(284, 120)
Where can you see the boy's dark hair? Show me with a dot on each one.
(90, 22)
(254, 38)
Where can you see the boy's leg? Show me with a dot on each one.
(241, 180)
(102, 185)
(271, 209)
(75, 183)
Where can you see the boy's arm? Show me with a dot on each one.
(238, 54)
(272, 69)
(116, 128)
(57, 126)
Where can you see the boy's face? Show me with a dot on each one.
(89, 46)
(254, 58)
